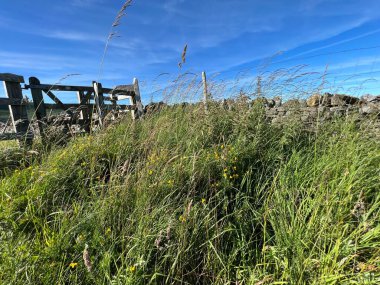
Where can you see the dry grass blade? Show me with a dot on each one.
(113, 32)
(121, 13)
(183, 57)
(86, 259)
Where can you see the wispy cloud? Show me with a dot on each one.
(339, 42)
(28, 61)
(73, 36)
(368, 62)
(86, 3)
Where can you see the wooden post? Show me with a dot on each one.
(258, 92)
(85, 112)
(39, 106)
(18, 113)
(80, 98)
(205, 93)
(137, 99)
(99, 101)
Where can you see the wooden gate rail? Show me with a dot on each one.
(17, 109)
(97, 93)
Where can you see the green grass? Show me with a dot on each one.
(182, 197)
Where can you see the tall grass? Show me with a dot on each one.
(187, 198)
(182, 197)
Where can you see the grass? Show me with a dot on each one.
(182, 197)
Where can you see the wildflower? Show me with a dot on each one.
(182, 219)
(108, 231)
(150, 172)
(170, 182)
(222, 146)
(225, 170)
(225, 175)
(203, 201)
(79, 239)
(235, 168)
(83, 163)
(72, 265)
(132, 268)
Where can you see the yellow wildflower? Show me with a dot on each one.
(72, 265)
(182, 219)
(108, 231)
(132, 268)
(203, 201)
(150, 172)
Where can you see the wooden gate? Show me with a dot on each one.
(92, 107)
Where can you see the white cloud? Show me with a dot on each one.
(73, 36)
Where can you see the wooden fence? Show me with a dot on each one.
(91, 107)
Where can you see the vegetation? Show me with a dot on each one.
(185, 197)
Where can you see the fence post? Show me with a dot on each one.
(18, 112)
(137, 99)
(84, 110)
(258, 92)
(205, 92)
(39, 105)
(99, 101)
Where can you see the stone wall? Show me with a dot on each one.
(323, 107)
(318, 108)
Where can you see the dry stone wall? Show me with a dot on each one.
(323, 107)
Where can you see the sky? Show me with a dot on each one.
(339, 39)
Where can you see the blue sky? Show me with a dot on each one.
(50, 39)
